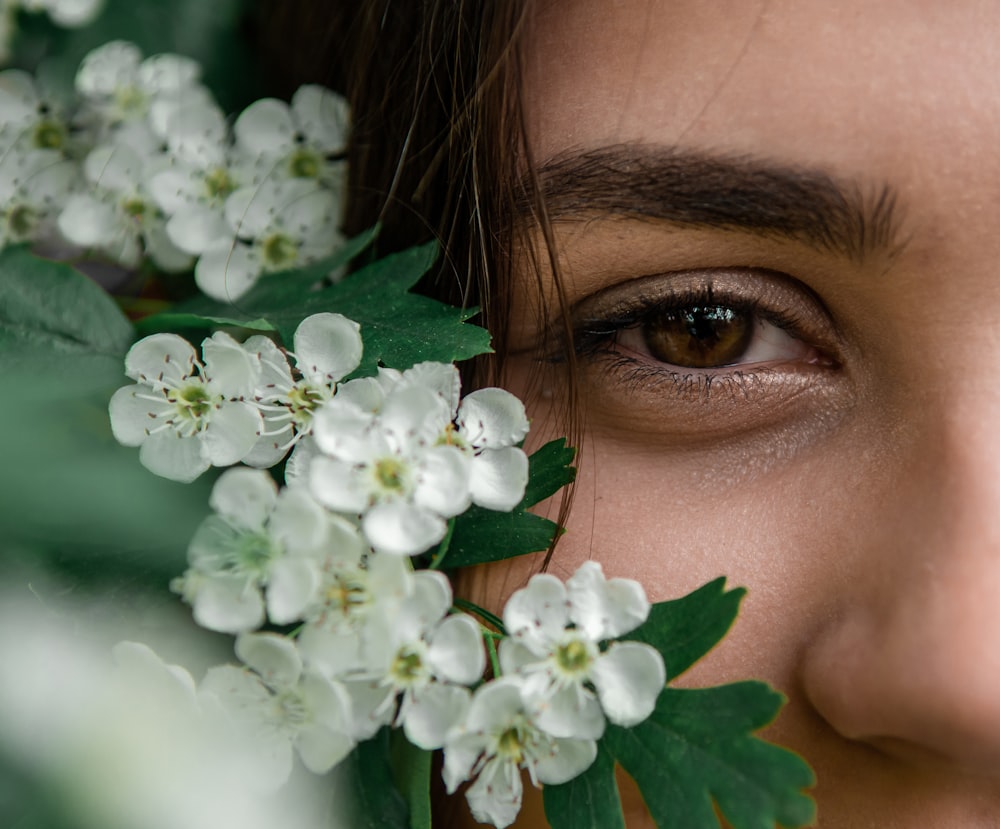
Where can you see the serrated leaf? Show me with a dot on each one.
(589, 801)
(398, 328)
(411, 773)
(697, 748)
(694, 754)
(482, 535)
(46, 306)
(683, 630)
(365, 794)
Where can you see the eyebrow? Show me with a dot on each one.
(741, 193)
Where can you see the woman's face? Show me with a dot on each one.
(778, 226)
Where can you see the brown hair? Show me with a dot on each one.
(437, 151)
(438, 147)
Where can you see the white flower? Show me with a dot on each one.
(297, 141)
(203, 173)
(274, 227)
(259, 539)
(486, 425)
(417, 650)
(555, 635)
(184, 415)
(117, 215)
(120, 86)
(499, 738)
(390, 469)
(355, 586)
(283, 706)
(33, 185)
(327, 348)
(29, 118)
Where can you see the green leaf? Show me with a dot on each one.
(694, 754)
(365, 795)
(549, 472)
(411, 772)
(399, 328)
(589, 801)
(71, 496)
(684, 630)
(174, 322)
(697, 748)
(49, 307)
(483, 535)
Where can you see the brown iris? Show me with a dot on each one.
(700, 336)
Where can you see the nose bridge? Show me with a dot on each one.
(910, 662)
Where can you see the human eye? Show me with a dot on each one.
(692, 349)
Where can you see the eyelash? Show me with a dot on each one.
(595, 339)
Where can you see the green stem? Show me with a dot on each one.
(482, 613)
(490, 639)
(442, 549)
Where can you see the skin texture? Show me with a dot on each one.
(850, 480)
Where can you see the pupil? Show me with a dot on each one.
(701, 336)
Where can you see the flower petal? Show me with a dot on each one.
(538, 614)
(227, 270)
(492, 418)
(232, 370)
(495, 797)
(604, 608)
(336, 484)
(231, 433)
(570, 712)
(160, 356)
(194, 228)
(433, 712)
(265, 128)
(629, 677)
(130, 414)
(291, 588)
(327, 347)
(228, 604)
(442, 481)
(401, 528)
(569, 759)
(272, 656)
(498, 478)
(324, 117)
(245, 497)
(456, 650)
(169, 455)
(321, 748)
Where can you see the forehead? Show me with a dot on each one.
(842, 84)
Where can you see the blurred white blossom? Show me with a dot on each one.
(276, 226)
(302, 140)
(277, 705)
(258, 540)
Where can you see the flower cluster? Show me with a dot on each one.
(376, 467)
(143, 165)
